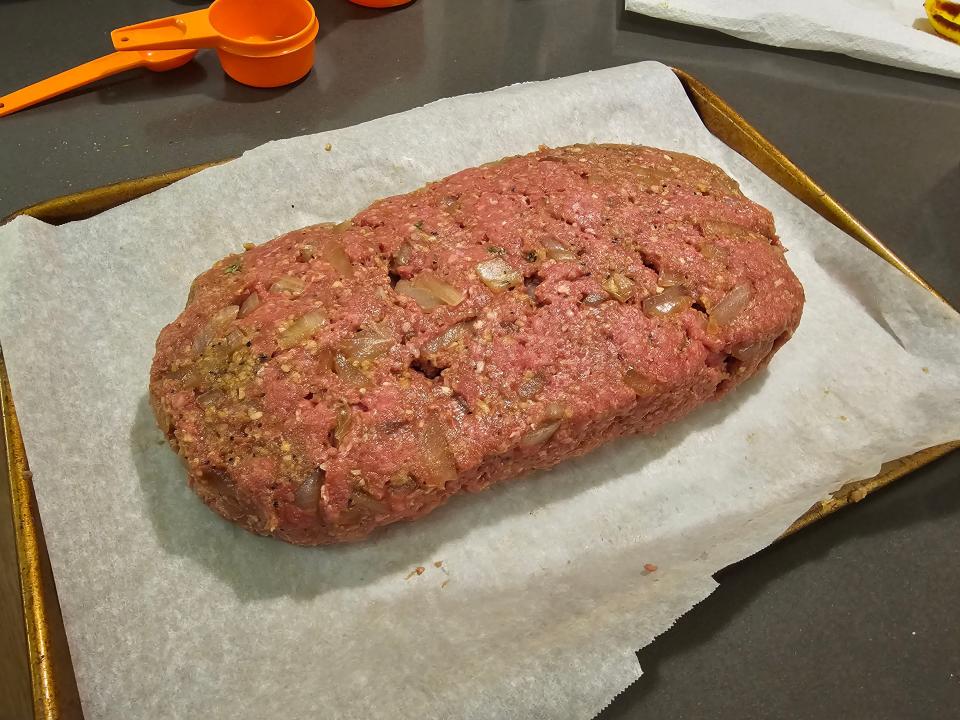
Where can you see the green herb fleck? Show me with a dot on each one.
(531, 256)
(495, 249)
(418, 224)
(233, 269)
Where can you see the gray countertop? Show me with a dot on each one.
(854, 617)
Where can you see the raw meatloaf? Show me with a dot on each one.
(342, 377)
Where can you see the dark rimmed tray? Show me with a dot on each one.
(22, 551)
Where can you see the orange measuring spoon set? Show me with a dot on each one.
(263, 44)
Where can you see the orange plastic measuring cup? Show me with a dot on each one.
(264, 44)
(156, 60)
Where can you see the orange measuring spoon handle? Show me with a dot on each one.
(70, 80)
(187, 30)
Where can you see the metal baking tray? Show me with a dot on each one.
(38, 627)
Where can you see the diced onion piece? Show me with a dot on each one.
(334, 254)
(234, 340)
(347, 371)
(302, 328)
(750, 354)
(192, 379)
(448, 337)
(732, 305)
(642, 385)
(218, 479)
(668, 278)
(461, 404)
(367, 344)
(224, 488)
(343, 424)
(251, 303)
(306, 253)
(619, 286)
(440, 288)
(401, 482)
(438, 461)
(367, 503)
(429, 291)
(530, 286)
(709, 251)
(530, 386)
(446, 292)
(324, 359)
(672, 300)
(224, 317)
(595, 298)
(210, 397)
(497, 274)
(425, 299)
(556, 250)
(307, 495)
(540, 435)
(288, 284)
(554, 411)
(218, 323)
(403, 255)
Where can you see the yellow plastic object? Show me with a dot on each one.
(263, 44)
(156, 60)
(945, 18)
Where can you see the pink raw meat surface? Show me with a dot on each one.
(342, 377)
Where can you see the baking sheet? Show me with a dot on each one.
(541, 597)
(891, 32)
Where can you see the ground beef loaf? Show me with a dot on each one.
(343, 377)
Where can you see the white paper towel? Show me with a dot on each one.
(541, 597)
(891, 32)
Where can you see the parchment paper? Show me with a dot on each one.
(541, 598)
(891, 32)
